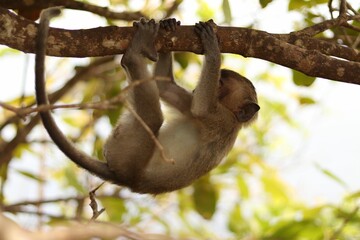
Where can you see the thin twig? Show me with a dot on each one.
(148, 130)
(93, 204)
(101, 105)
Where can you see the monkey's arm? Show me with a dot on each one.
(169, 91)
(206, 93)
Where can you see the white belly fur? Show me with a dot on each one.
(180, 140)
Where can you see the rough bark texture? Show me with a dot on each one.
(308, 55)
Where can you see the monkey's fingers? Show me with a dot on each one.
(212, 24)
(202, 30)
(169, 24)
(207, 27)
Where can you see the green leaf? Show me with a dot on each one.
(113, 115)
(72, 180)
(353, 196)
(21, 148)
(8, 51)
(227, 11)
(301, 79)
(306, 101)
(243, 187)
(204, 11)
(115, 208)
(306, 229)
(321, 1)
(182, 59)
(264, 3)
(296, 4)
(274, 187)
(98, 148)
(236, 223)
(205, 197)
(331, 175)
(31, 176)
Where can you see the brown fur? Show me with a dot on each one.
(197, 140)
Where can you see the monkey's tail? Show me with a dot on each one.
(68, 148)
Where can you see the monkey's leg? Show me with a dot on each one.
(130, 147)
(169, 91)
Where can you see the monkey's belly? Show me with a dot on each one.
(180, 141)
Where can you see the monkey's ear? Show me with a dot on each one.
(247, 112)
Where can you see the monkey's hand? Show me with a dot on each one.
(208, 37)
(163, 67)
(169, 24)
(144, 39)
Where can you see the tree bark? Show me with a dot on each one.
(290, 50)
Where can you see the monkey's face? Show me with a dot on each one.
(231, 93)
(239, 97)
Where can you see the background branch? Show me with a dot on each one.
(38, 5)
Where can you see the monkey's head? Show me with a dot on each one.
(238, 94)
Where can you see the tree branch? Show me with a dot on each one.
(19, 33)
(70, 4)
(9, 230)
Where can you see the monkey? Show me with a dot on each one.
(198, 139)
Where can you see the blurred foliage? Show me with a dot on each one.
(244, 198)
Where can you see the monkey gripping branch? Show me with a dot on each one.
(297, 50)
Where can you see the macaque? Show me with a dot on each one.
(197, 139)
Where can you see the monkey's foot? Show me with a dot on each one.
(144, 38)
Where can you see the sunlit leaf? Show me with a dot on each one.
(306, 101)
(352, 196)
(204, 11)
(31, 176)
(74, 121)
(243, 187)
(296, 4)
(296, 230)
(3, 176)
(113, 114)
(184, 201)
(274, 187)
(184, 59)
(98, 147)
(301, 79)
(21, 148)
(72, 180)
(331, 175)
(8, 51)
(114, 207)
(264, 3)
(236, 222)
(227, 11)
(321, 1)
(205, 197)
